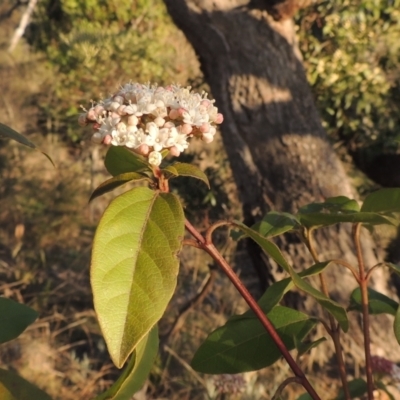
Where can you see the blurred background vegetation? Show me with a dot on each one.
(77, 50)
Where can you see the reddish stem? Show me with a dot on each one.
(214, 253)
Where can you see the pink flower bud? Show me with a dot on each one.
(219, 118)
(143, 149)
(121, 110)
(133, 120)
(174, 114)
(107, 140)
(92, 115)
(174, 151)
(205, 128)
(186, 129)
(99, 109)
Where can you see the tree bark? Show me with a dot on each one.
(279, 153)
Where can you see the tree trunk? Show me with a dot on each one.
(279, 153)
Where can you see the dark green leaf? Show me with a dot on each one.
(382, 386)
(244, 345)
(120, 160)
(396, 325)
(384, 200)
(136, 372)
(378, 303)
(182, 169)
(333, 204)
(14, 387)
(117, 181)
(14, 319)
(135, 265)
(303, 348)
(357, 388)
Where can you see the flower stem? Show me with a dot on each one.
(215, 254)
(365, 311)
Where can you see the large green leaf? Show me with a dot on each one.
(120, 160)
(183, 169)
(396, 325)
(273, 251)
(135, 266)
(244, 345)
(117, 181)
(275, 223)
(378, 303)
(384, 200)
(14, 387)
(11, 134)
(14, 319)
(136, 372)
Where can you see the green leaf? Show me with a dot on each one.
(303, 348)
(244, 345)
(14, 319)
(183, 169)
(378, 303)
(11, 134)
(275, 223)
(136, 372)
(396, 325)
(135, 266)
(120, 160)
(335, 210)
(13, 387)
(382, 386)
(116, 181)
(357, 388)
(273, 251)
(384, 200)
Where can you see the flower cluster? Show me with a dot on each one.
(150, 118)
(382, 366)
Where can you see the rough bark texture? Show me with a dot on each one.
(280, 156)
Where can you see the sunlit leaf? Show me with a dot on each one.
(137, 370)
(14, 387)
(244, 345)
(183, 169)
(14, 319)
(120, 160)
(135, 266)
(117, 181)
(378, 303)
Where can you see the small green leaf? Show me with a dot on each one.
(384, 200)
(183, 169)
(135, 265)
(303, 348)
(11, 134)
(117, 181)
(243, 344)
(14, 387)
(332, 204)
(382, 386)
(120, 160)
(136, 372)
(357, 388)
(14, 319)
(378, 303)
(275, 223)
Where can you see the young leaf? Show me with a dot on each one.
(333, 204)
(303, 348)
(120, 160)
(14, 387)
(243, 344)
(116, 181)
(134, 266)
(183, 169)
(137, 370)
(357, 388)
(378, 303)
(11, 134)
(384, 200)
(14, 319)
